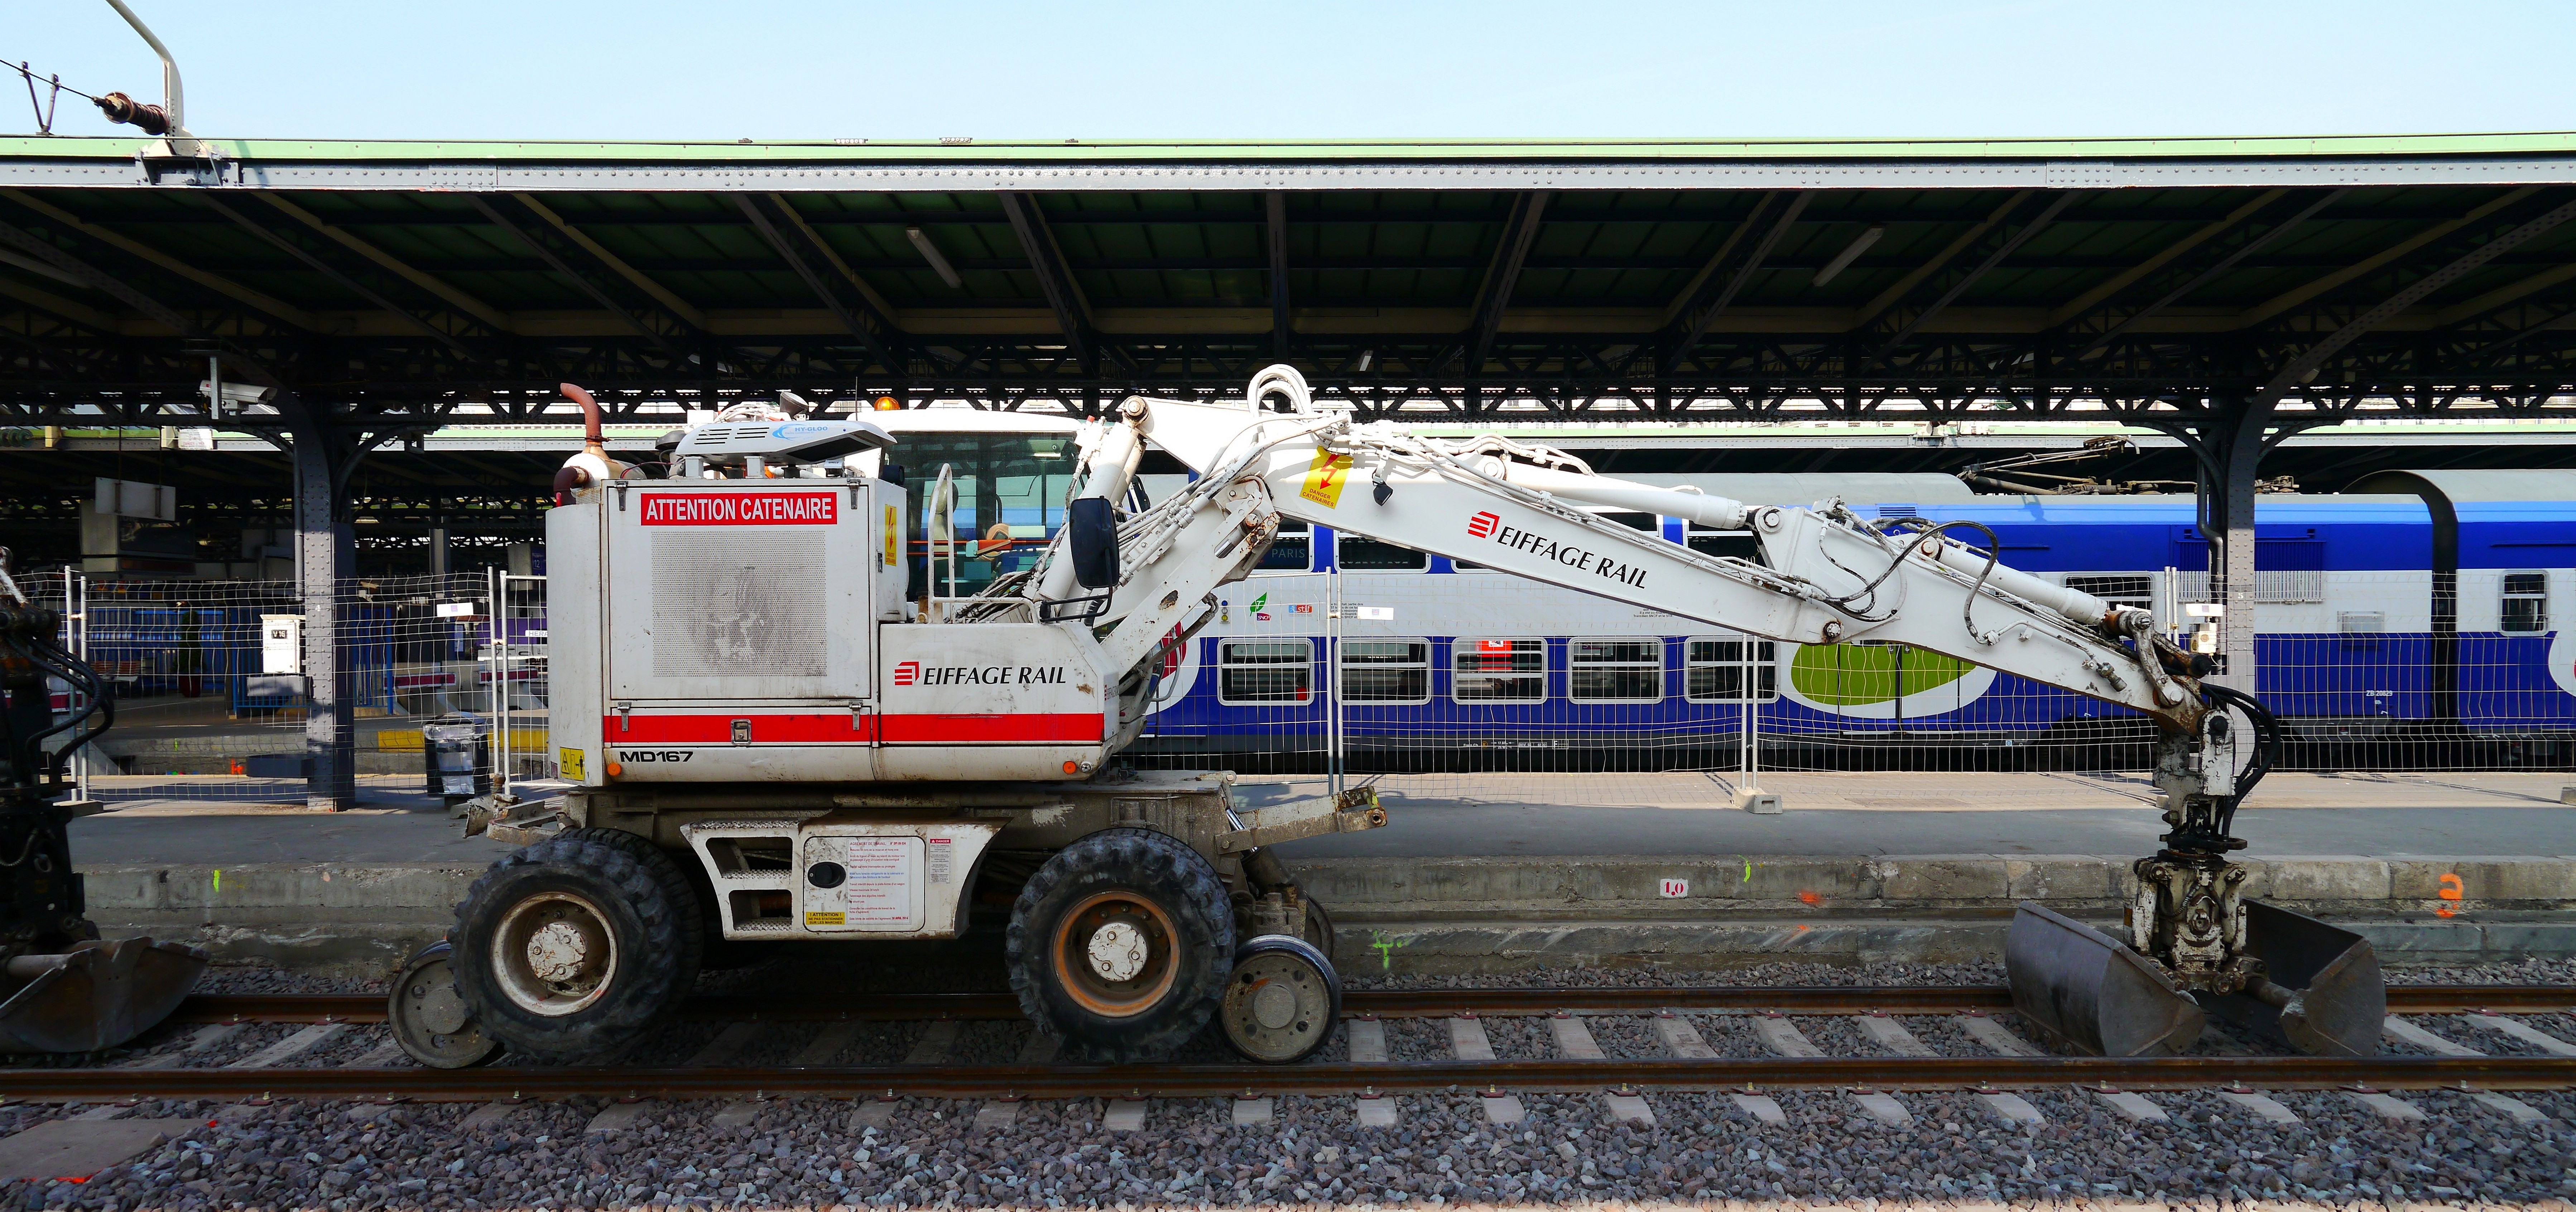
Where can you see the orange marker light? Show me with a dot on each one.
(1069, 768)
(615, 770)
(887, 404)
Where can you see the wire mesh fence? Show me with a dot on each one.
(1376, 673)
(213, 692)
(1432, 670)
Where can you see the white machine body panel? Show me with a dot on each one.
(991, 701)
(741, 635)
(740, 589)
(841, 876)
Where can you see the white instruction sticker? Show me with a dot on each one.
(940, 850)
(881, 890)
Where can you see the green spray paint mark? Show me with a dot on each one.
(219, 879)
(1385, 947)
(1748, 871)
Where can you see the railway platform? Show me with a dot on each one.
(1490, 873)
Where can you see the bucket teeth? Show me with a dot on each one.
(2090, 994)
(2326, 995)
(99, 995)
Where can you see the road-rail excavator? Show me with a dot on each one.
(771, 742)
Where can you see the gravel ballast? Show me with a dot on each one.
(2209, 1154)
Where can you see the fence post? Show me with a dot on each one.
(1332, 654)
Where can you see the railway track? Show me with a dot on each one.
(2461, 1049)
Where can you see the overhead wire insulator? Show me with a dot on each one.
(152, 119)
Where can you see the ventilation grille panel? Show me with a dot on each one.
(739, 604)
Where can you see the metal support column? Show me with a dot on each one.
(2231, 455)
(439, 562)
(324, 551)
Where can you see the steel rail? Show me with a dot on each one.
(1364, 1080)
(1382, 1003)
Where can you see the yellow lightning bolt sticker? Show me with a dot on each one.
(1325, 478)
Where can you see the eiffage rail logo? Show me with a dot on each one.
(1482, 525)
(907, 673)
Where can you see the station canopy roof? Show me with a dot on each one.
(392, 284)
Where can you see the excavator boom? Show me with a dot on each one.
(1826, 576)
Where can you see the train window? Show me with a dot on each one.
(1725, 544)
(1499, 671)
(1386, 671)
(1351, 553)
(1713, 671)
(2124, 589)
(1292, 551)
(1264, 671)
(2526, 602)
(1615, 671)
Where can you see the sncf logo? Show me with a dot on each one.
(1482, 525)
(907, 673)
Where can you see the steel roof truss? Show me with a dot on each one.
(313, 261)
(653, 322)
(864, 329)
(1494, 294)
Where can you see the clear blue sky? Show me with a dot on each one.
(775, 69)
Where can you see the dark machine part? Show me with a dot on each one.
(61, 988)
(2087, 993)
(2193, 937)
(2054, 484)
(2315, 987)
(1281, 1001)
(429, 1017)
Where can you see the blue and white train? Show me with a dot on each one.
(2425, 608)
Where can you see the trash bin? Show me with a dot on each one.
(456, 750)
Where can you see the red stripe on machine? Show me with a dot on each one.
(824, 728)
(1071, 728)
(741, 508)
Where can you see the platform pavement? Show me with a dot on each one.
(1486, 872)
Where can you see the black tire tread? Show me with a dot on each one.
(1153, 854)
(675, 884)
(652, 988)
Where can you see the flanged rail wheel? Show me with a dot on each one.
(1282, 1001)
(428, 1015)
(1120, 945)
(574, 947)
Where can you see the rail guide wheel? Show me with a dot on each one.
(429, 1016)
(1282, 1001)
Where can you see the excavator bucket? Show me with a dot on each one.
(2321, 990)
(97, 995)
(2090, 994)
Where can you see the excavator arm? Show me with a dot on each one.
(1826, 576)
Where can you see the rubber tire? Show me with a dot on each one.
(692, 915)
(1150, 864)
(649, 926)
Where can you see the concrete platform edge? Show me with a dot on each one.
(1490, 915)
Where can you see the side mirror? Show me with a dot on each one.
(1092, 527)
